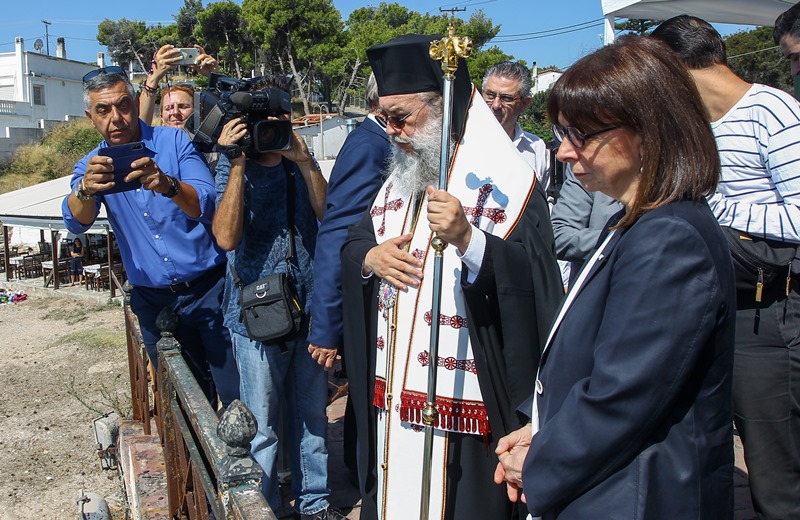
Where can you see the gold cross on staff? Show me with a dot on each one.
(449, 49)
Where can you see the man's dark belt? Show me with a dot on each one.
(185, 286)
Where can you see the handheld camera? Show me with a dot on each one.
(228, 98)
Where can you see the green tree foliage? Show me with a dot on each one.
(535, 119)
(365, 27)
(370, 26)
(124, 39)
(753, 56)
(636, 25)
(483, 60)
(187, 21)
(301, 35)
(222, 29)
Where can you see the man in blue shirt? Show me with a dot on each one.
(163, 229)
(252, 224)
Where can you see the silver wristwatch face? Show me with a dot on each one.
(81, 195)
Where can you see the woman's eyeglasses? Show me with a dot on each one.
(576, 137)
(505, 99)
(89, 76)
(397, 122)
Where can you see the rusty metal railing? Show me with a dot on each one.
(208, 464)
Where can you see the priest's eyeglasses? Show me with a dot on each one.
(398, 122)
(119, 71)
(576, 137)
(505, 99)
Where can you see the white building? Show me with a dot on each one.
(36, 91)
(544, 79)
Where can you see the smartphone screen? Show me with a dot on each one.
(123, 155)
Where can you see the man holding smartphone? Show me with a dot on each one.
(163, 227)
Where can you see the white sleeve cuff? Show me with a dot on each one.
(473, 256)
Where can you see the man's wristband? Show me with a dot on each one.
(174, 187)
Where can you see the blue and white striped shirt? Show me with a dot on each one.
(759, 148)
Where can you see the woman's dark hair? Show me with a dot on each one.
(697, 43)
(639, 84)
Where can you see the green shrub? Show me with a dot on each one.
(54, 157)
(76, 138)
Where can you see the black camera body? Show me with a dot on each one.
(229, 98)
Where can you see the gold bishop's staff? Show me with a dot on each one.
(449, 49)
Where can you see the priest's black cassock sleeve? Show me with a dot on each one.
(509, 307)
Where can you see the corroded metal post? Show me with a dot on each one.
(449, 49)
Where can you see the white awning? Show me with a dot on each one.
(39, 207)
(740, 12)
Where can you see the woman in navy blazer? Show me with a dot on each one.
(632, 415)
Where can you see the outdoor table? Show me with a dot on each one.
(91, 272)
(47, 270)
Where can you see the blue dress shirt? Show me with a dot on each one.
(160, 244)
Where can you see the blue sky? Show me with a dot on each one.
(575, 26)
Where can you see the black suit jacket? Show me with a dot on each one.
(635, 401)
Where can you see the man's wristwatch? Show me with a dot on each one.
(174, 187)
(80, 192)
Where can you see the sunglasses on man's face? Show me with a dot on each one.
(89, 76)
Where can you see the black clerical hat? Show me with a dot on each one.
(403, 66)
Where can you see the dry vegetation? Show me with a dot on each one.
(54, 157)
(63, 364)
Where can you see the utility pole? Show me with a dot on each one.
(47, 35)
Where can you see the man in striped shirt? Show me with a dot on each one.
(757, 129)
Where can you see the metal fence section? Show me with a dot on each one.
(210, 473)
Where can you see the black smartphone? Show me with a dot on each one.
(123, 155)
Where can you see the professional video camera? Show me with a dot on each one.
(228, 98)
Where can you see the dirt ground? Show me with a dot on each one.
(62, 365)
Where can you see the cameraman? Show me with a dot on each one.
(251, 224)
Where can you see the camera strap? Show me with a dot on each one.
(290, 199)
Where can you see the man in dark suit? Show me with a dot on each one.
(355, 179)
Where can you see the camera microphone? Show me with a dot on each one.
(242, 99)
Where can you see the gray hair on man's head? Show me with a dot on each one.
(371, 95)
(102, 82)
(511, 70)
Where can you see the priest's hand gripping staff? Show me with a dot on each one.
(447, 50)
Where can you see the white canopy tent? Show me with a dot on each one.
(39, 207)
(741, 12)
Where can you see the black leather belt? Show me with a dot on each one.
(185, 286)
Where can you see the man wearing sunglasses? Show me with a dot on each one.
(162, 224)
(500, 288)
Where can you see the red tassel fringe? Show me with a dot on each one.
(454, 415)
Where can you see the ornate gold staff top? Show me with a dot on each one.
(449, 49)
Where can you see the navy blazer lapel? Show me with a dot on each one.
(595, 268)
(375, 128)
(602, 260)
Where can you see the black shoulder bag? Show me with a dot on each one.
(269, 307)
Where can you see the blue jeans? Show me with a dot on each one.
(266, 377)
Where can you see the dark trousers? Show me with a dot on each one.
(766, 400)
(205, 341)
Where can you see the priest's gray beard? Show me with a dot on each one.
(412, 172)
